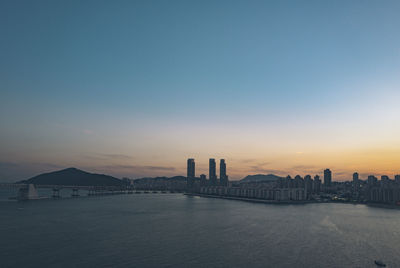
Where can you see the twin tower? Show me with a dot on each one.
(213, 180)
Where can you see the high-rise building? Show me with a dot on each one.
(308, 184)
(203, 180)
(317, 184)
(212, 172)
(190, 168)
(355, 177)
(222, 173)
(385, 180)
(190, 172)
(356, 183)
(327, 177)
(298, 182)
(372, 181)
(397, 179)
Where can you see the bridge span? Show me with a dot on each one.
(29, 191)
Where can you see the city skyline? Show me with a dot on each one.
(132, 89)
(228, 133)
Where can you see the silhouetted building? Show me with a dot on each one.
(317, 184)
(356, 182)
(386, 191)
(203, 180)
(298, 182)
(385, 180)
(372, 181)
(190, 172)
(212, 172)
(327, 177)
(397, 179)
(222, 173)
(190, 168)
(308, 184)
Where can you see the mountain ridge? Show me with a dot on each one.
(260, 178)
(74, 177)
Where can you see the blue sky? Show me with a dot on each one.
(160, 81)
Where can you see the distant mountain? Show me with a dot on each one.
(161, 183)
(74, 176)
(260, 178)
(160, 179)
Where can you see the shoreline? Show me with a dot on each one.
(291, 202)
(254, 200)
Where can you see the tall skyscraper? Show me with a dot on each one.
(212, 172)
(317, 184)
(222, 173)
(190, 168)
(356, 183)
(308, 182)
(355, 177)
(190, 172)
(327, 177)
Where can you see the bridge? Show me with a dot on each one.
(29, 191)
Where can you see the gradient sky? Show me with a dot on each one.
(133, 88)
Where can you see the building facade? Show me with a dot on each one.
(212, 172)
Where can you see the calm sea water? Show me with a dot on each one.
(173, 230)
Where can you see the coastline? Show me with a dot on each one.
(291, 202)
(254, 200)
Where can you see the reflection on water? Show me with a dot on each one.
(159, 230)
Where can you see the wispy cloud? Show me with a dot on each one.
(103, 156)
(135, 171)
(139, 167)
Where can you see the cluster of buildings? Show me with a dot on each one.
(385, 190)
(283, 189)
(202, 181)
(372, 190)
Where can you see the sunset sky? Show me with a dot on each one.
(134, 88)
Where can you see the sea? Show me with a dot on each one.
(175, 230)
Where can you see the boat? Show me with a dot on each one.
(380, 263)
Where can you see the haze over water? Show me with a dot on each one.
(173, 230)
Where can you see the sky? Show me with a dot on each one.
(134, 88)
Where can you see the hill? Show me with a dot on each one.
(171, 183)
(154, 179)
(74, 176)
(260, 178)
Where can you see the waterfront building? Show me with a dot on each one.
(222, 173)
(372, 181)
(298, 182)
(386, 192)
(356, 183)
(203, 180)
(190, 168)
(265, 193)
(308, 183)
(397, 179)
(212, 172)
(190, 172)
(327, 177)
(284, 182)
(317, 184)
(385, 180)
